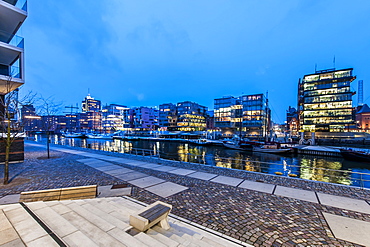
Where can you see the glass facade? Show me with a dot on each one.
(325, 101)
(248, 114)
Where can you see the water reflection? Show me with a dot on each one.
(306, 167)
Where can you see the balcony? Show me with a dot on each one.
(21, 4)
(11, 39)
(12, 15)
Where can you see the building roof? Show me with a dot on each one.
(365, 109)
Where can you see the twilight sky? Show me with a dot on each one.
(145, 53)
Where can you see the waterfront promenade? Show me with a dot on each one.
(257, 209)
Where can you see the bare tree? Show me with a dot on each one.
(10, 122)
(48, 108)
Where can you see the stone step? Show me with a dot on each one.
(93, 232)
(55, 221)
(8, 234)
(61, 227)
(91, 207)
(114, 210)
(120, 202)
(148, 240)
(162, 238)
(183, 239)
(91, 217)
(126, 238)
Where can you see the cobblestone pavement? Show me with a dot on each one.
(253, 217)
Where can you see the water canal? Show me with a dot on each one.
(318, 168)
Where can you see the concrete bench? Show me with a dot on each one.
(71, 193)
(156, 213)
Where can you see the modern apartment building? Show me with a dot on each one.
(191, 116)
(246, 115)
(184, 116)
(167, 116)
(325, 101)
(89, 104)
(12, 75)
(144, 118)
(115, 117)
(12, 15)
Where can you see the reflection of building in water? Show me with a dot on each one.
(323, 170)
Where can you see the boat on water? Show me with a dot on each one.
(353, 155)
(205, 142)
(74, 135)
(271, 148)
(100, 136)
(233, 145)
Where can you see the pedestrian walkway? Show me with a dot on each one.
(302, 216)
(166, 189)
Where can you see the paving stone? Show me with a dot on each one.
(299, 194)
(166, 189)
(146, 181)
(257, 186)
(202, 175)
(227, 180)
(10, 199)
(119, 171)
(108, 168)
(355, 231)
(164, 168)
(150, 166)
(131, 176)
(344, 202)
(181, 171)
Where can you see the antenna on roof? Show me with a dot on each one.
(315, 67)
(334, 62)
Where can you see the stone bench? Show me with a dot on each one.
(71, 193)
(156, 213)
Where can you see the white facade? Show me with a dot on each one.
(12, 15)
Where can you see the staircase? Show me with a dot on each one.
(94, 222)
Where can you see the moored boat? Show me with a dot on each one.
(74, 135)
(353, 155)
(271, 148)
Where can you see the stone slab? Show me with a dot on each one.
(146, 181)
(8, 199)
(131, 176)
(344, 202)
(181, 171)
(299, 194)
(166, 189)
(108, 168)
(351, 230)
(150, 166)
(202, 175)
(257, 186)
(164, 168)
(108, 192)
(118, 171)
(227, 180)
(135, 163)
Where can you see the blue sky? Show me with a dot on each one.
(144, 53)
